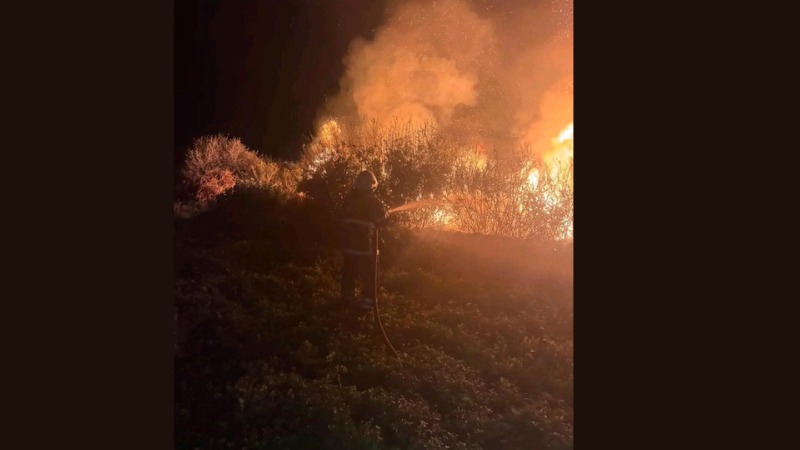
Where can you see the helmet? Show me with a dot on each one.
(365, 181)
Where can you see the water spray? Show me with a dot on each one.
(417, 204)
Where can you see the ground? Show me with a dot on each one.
(267, 356)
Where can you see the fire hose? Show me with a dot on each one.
(375, 301)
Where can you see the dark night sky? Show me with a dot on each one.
(259, 70)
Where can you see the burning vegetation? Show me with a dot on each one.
(464, 104)
(427, 175)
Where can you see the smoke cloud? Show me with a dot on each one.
(497, 71)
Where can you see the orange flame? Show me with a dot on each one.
(559, 159)
(329, 133)
(477, 157)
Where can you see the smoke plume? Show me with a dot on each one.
(499, 72)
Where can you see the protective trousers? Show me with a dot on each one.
(357, 267)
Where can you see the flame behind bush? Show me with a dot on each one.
(459, 185)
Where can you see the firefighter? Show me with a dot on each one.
(361, 215)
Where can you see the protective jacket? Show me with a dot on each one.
(360, 214)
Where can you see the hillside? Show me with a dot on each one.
(266, 357)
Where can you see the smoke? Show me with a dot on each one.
(497, 71)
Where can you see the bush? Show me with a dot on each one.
(459, 186)
(216, 164)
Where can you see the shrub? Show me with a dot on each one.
(216, 164)
(461, 186)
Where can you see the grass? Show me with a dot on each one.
(268, 358)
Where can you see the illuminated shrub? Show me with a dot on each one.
(216, 164)
(469, 191)
(460, 187)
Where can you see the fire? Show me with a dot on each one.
(480, 157)
(533, 178)
(566, 134)
(329, 133)
(480, 162)
(560, 164)
(442, 217)
(557, 161)
(560, 158)
(477, 157)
